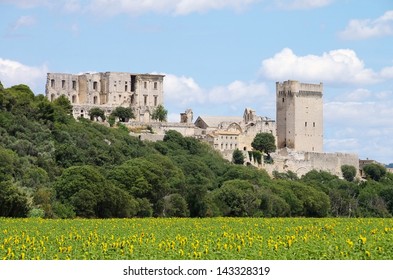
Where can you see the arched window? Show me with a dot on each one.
(95, 100)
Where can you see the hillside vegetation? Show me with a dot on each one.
(54, 166)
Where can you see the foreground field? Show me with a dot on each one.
(217, 238)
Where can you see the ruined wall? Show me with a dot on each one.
(303, 162)
(58, 84)
(160, 128)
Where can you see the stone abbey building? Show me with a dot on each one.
(298, 128)
(108, 90)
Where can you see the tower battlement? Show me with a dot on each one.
(291, 87)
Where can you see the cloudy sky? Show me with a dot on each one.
(220, 56)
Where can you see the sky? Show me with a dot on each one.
(221, 56)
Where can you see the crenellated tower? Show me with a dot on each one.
(299, 119)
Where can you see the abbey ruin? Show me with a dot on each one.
(298, 128)
(142, 92)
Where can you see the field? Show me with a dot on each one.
(216, 238)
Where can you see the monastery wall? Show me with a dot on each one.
(303, 162)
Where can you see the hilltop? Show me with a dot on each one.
(54, 166)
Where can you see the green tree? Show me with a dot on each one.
(13, 202)
(315, 202)
(272, 205)
(45, 111)
(43, 199)
(85, 203)
(371, 202)
(111, 120)
(96, 113)
(131, 179)
(35, 177)
(349, 172)
(123, 113)
(160, 113)
(8, 160)
(237, 198)
(102, 199)
(264, 142)
(175, 137)
(63, 109)
(64, 104)
(145, 208)
(374, 171)
(289, 175)
(175, 205)
(237, 157)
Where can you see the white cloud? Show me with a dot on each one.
(175, 7)
(13, 73)
(360, 94)
(59, 5)
(27, 3)
(365, 128)
(72, 5)
(238, 91)
(23, 21)
(189, 6)
(387, 73)
(184, 92)
(302, 4)
(358, 29)
(340, 66)
(344, 145)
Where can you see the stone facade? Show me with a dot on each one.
(302, 162)
(108, 90)
(227, 134)
(299, 109)
(187, 116)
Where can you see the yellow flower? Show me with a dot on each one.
(368, 254)
(362, 239)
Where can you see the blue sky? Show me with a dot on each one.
(220, 56)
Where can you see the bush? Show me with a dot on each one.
(349, 172)
(36, 213)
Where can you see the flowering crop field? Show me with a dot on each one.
(210, 238)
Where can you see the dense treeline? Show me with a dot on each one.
(56, 167)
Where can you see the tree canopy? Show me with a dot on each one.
(160, 113)
(54, 166)
(123, 113)
(264, 142)
(237, 157)
(375, 171)
(96, 113)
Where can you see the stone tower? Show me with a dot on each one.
(299, 120)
